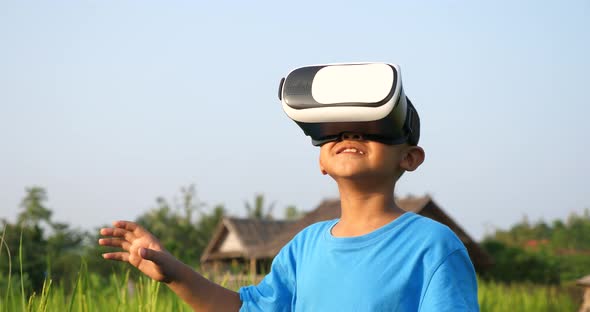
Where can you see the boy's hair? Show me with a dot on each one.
(412, 124)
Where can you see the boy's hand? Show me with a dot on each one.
(145, 252)
(142, 250)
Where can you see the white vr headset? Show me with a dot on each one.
(365, 98)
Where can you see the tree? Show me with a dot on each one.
(514, 264)
(176, 228)
(34, 210)
(27, 249)
(43, 255)
(292, 213)
(258, 210)
(64, 251)
(526, 248)
(26, 240)
(206, 226)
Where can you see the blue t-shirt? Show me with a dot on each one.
(411, 264)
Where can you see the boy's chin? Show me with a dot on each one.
(362, 174)
(352, 174)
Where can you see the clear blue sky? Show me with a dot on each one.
(109, 104)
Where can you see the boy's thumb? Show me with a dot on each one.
(152, 255)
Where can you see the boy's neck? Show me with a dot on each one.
(365, 207)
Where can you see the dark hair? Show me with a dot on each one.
(412, 124)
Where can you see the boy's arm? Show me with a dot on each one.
(144, 251)
(197, 291)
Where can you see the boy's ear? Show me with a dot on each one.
(413, 158)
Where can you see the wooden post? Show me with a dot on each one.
(585, 282)
(252, 268)
(586, 301)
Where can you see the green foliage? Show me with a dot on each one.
(574, 266)
(51, 249)
(538, 252)
(513, 264)
(34, 210)
(65, 248)
(560, 236)
(42, 255)
(182, 235)
(32, 246)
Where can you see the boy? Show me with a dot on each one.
(376, 257)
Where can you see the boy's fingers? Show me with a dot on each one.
(117, 232)
(118, 256)
(106, 231)
(155, 256)
(129, 226)
(114, 242)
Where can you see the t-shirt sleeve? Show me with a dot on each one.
(453, 286)
(275, 292)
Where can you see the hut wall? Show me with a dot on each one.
(231, 243)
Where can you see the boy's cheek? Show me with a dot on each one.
(322, 168)
(324, 154)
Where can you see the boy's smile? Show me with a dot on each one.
(355, 157)
(350, 149)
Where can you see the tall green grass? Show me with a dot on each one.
(525, 297)
(119, 293)
(92, 293)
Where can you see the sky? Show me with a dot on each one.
(110, 104)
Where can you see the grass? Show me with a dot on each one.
(525, 297)
(95, 293)
(119, 293)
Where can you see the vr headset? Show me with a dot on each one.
(327, 101)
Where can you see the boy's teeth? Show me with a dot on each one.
(353, 150)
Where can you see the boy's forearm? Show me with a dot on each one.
(202, 294)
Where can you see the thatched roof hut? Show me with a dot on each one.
(235, 239)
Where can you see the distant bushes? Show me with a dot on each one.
(514, 264)
(541, 252)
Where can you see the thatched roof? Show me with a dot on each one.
(247, 233)
(266, 241)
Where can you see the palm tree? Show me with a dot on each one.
(257, 210)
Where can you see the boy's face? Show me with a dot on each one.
(354, 157)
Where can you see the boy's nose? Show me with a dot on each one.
(351, 136)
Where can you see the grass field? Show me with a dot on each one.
(116, 293)
(527, 297)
